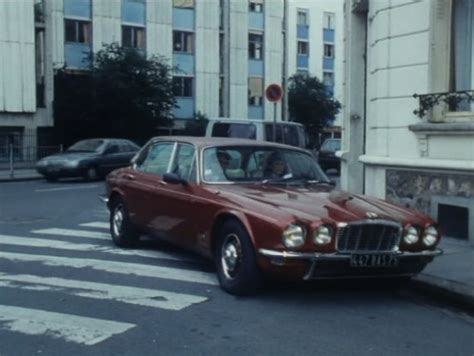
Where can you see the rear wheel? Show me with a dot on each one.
(236, 262)
(124, 233)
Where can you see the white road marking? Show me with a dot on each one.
(139, 296)
(71, 328)
(66, 188)
(116, 267)
(74, 233)
(97, 224)
(71, 246)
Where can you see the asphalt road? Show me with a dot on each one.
(65, 290)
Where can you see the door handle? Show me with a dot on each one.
(129, 176)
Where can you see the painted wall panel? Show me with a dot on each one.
(328, 63)
(256, 20)
(133, 12)
(207, 57)
(256, 112)
(77, 55)
(159, 28)
(186, 108)
(17, 70)
(256, 68)
(78, 8)
(303, 31)
(328, 35)
(57, 16)
(106, 23)
(184, 62)
(183, 19)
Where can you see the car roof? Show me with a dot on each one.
(203, 141)
(249, 121)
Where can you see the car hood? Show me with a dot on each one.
(70, 156)
(319, 202)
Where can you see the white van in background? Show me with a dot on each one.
(289, 133)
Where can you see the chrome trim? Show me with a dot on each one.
(103, 199)
(338, 256)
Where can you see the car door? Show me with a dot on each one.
(110, 159)
(178, 219)
(143, 185)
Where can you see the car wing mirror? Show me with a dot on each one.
(173, 178)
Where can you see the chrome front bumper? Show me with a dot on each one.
(317, 256)
(337, 265)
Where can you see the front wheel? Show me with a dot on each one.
(91, 174)
(236, 262)
(124, 233)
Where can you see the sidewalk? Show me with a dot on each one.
(19, 174)
(449, 276)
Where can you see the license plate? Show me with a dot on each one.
(374, 260)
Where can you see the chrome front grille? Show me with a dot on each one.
(369, 236)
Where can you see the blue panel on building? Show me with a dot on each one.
(77, 8)
(328, 63)
(303, 31)
(77, 55)
(256, 68)
(184, 62)
(183, 19)
(328, 35)
(256, 112)
(133, 12)
(302, 61)
(186, 108)
(256, 20)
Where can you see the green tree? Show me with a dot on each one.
(310, 104)
(124, 95)
(133, 94)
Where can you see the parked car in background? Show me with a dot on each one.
(327, 157)
(91, 159)
(262, 209)
(289, 133)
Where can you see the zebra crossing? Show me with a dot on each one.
(82, 250)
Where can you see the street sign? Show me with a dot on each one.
(274, 92)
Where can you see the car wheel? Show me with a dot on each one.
(236, 262)
(122, 230)
(91, 174)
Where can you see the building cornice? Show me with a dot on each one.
(425, 163)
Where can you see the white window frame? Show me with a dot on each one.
(182, 86)
(329, 22)
(76, 30)
(306, 13)
(191, 38)
(256, 6)
(298, 48)
(134, 27)
(262, 46)
(329, 45)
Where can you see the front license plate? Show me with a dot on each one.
(374, 260)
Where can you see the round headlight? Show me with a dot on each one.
(411, 235)
(430, 236)
(293, 236)
(323, 235)
(72, 164)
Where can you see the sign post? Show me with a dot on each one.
(274, 93)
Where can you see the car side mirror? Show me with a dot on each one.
(173, 178)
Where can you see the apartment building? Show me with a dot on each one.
(227, 51)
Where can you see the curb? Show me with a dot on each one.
(20, 179)
(451, 291)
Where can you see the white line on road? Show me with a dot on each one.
(74, 233)
(137, 269)
(71, 246)
(97, 224)
(72, 328)
(66, 188)
(138, 296)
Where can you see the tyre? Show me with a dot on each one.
(91, 174)
(122, 230)
(236, 262)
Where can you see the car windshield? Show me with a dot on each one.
(331, 145)
(264, 164)
(94, 145)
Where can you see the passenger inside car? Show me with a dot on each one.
(276, 166)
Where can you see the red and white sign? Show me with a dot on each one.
(274, 92)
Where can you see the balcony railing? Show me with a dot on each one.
(454, 100)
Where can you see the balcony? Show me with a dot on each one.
(443, 104)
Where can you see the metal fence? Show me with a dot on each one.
(14, 157)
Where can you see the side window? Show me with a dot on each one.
(112, 149)
(234, 130)
(269, 133)
(290, 135)
(185, 161)
(157, 159)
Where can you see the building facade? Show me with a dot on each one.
(409, 121)
(227, 51)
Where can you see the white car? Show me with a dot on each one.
(289, 133)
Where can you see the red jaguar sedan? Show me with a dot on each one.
(262, 209)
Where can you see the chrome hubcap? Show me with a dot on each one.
(231, 256)
(117, 220)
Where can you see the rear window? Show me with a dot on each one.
(288, 134)
(221, 129)
(331, 145)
